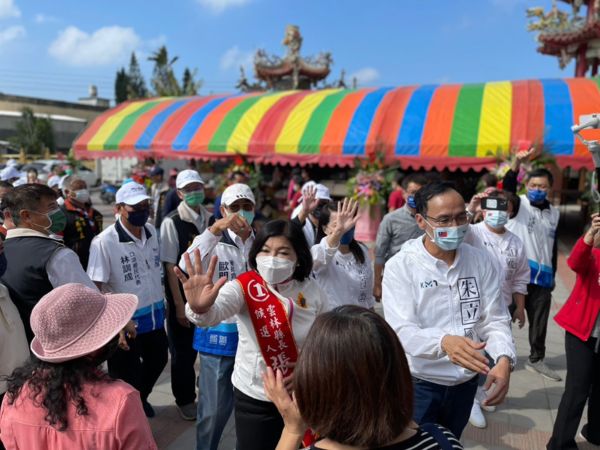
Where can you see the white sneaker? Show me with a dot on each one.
(477, 419)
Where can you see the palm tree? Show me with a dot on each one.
(164, 82)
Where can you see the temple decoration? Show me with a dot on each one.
(292, 71)
(569, 35)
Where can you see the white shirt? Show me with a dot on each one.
(126, 264)
(63, 266)
(508, 252)
(249, 363)
(424, 300)
(342, 277)
(169, 240)
(14, 350)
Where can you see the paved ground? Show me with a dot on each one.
(524, 421)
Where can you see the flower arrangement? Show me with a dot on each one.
(369, 185)
(240, 164)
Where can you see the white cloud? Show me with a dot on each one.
(366, 75)
(107, 45)
(218, 6)
(10, 34)
(234, 58)
(44, 18)
(9, 9)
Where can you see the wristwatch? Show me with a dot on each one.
(511, 361)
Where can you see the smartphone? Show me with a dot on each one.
(494, 204)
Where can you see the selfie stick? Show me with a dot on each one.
(591, 121)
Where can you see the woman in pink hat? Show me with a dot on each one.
(61, 399)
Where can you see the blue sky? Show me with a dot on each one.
(55, 49)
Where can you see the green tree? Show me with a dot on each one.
(136, 83)
(164, 82)
(33, 134)
(190, 86)
(121, 86)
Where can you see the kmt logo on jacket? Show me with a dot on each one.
(429, 284)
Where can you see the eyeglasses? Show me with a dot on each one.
(446, 221)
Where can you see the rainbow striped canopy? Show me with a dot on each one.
(443, 126)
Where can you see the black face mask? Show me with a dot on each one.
(139, 217)
(318, 210)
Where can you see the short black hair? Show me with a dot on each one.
(430, 191)
(541, 173)
(293, 233)
(416, 178)
(26, 196)
(34, 170)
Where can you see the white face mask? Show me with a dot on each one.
(275, 270)
(83, 195)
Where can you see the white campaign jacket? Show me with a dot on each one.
(249, 363)
(424, 300)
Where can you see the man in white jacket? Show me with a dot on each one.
(443, 298)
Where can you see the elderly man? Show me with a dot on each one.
(443, 298)
(36, 262)
(83, 222)
(177, 232)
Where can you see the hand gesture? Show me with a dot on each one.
(286, 404)
(593, 231)
(346, 217)
(309, 199)
(200, 291)
(475, 203)
(497, 383)
(464, 352)
(233, 222)
(521, 157)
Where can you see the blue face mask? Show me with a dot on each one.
(347, 237)
(449, 238)
(496, 219)
(247, 215)
(410, 200)
(536, 195)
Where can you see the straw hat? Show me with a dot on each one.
(73, 320)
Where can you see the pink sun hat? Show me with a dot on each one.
(73, 320)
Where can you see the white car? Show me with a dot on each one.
(44, 168)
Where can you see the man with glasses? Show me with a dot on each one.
(124, 259)
(177, 232)
(443, 299)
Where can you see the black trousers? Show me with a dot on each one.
(143, 363)
(183, 358)
(258, 424)
(582, 384)
(537, 306)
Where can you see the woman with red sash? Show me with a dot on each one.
(275, 305)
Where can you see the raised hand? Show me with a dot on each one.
(233, 222)
(198, 287)
(475, 202)
(593, 230)
(346, 217)
(521, 157)
(309, 199)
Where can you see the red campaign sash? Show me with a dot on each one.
(272, 327)
(270, 321)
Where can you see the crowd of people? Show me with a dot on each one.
(282, 316)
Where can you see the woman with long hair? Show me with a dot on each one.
(61, 398)
(275, 305)
(352, 387)
(342, 265)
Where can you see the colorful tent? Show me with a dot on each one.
(443, 126)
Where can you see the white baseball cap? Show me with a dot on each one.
(186, 177)
(322, 192)
(54, 181)
(236, 192)
(9, 172)
(131, 194)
